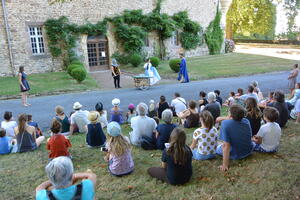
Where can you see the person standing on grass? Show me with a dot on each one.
(116, 73)
(183, 76)
(293, 78)
(176, 161)
(24, 86)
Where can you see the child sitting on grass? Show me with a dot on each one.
(131, 113)
(205, 137)
(58, 144)
(6, 143)
(120, 162)
(268, 137)
(230, 101)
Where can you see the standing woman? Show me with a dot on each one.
(24, 85)
(115, 71)
(152, 72)
(293, 77)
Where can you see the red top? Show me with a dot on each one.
(58, 146)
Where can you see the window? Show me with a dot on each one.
(175, 38)
(36, 40)
(146, 41)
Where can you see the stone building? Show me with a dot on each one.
(23, 40)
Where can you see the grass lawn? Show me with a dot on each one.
(226, 65)
(260, 176)
(46, 83)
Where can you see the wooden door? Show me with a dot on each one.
(97, 48)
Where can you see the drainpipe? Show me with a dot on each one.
(12, 65)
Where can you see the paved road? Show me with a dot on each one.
(42, 108)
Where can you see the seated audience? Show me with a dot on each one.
(95, 136)
(152, 112)
(190, 117)
(297, 110)
(236, 135)
(79, 119)
(240, 92)
(230, 101)
(178, 104)
(218, 98)
(163, 131)
(162, 105)
(143, 127)
(250, 93)
(295, 95)
(281, 106)
(257, 90)
(58, 144)
(63, 119)
(30, 122)
(102, 113)
(213, 107)
(26, 136)
(9, 124)
(253, 114)
(204, 143)
(61, 183)
(176, 161)
(203, 100)
(131, 113)
(116, 114)
(268, 137)
(6, 143)
(120, 162)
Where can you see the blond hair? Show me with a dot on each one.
(118, 145)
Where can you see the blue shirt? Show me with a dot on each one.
(69, 192)
(164, 131)
(4, 145)
(238, 135)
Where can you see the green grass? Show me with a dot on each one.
(226, 65)
(261, 176)
(45, 83)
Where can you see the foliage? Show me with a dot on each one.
(175, 64)
(229, 46)
(73, 66)
(121, 58)
(154, 61)
(135, 59)
(292, 7)
(214, 35)
(79, 74)
(248, 17)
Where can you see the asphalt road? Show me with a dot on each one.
(42, 108)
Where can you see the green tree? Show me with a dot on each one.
(292, 10)
(248, 17)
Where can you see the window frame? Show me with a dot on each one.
(36, 40)
(175, 38)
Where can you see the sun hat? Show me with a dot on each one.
(77, 105)
(151, 101)
(211, 96)
(93, 117)
(99, 106)
(114, 129)
(115, 102)
(114, 63)
(131, 106)
(59, 110)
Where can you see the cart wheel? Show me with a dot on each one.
(144, 87)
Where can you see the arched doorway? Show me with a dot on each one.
(97, 49)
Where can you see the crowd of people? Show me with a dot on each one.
(253, 123)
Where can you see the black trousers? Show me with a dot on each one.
(117, 81)
(159, 173)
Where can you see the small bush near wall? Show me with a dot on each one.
(155, 61)
(174, 64)
(135, 59)
(73, 66)
(79, 74)
(229, 46)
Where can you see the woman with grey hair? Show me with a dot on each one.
(163, 131)
(213, 107)
(61, 182)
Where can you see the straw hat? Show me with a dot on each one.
(93, 117)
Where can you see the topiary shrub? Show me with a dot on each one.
(229, 46)
(79, 74)
(73, 66)
(155, 61)
(135, 59)
(174, 64)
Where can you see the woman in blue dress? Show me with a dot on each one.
(24, 86)
(152, 72)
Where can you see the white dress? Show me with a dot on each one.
(152, 72)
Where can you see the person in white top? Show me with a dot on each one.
(152, 72)
(178, 103)
(297, 110)
(142, 126)
(268, 137)
(251, 93)
(8, 124)
(79, 119)
(103, 114)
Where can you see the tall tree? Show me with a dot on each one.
(292, 10)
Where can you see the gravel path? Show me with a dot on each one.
(42, 108)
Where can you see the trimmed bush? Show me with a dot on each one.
(79, 74)
(73, 66)
(135, 59)
(174, 64)
(155, 61)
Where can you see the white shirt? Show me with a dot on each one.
(253, 95)
(270, 134)
(231, 101)
(297, 106)
(141, 126)
(103, 119)
(9, 127)
(207, 141)
(179, 104)
(80, 118)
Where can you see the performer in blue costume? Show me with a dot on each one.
(183, 76)
(152, 72)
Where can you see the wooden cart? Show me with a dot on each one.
(142, 81)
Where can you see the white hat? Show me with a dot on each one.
(77, 105)
(115, 102)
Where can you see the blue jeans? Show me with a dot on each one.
(198, 156)
(258, 148)
(219, 151)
